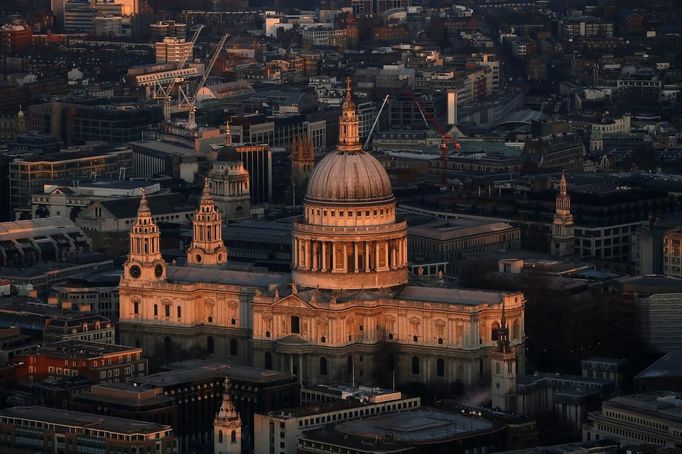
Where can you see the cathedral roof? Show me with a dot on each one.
(158, 204)
(186, 274)
(450, 295)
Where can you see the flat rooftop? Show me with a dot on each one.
(198, 369)
(451, 295)
(80, 349)
(168, 148)
(661, 405)
(67, 418)
(418, 426)
(447, 230)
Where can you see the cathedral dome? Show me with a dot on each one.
(349, 175)
(228, 153)
(349, 178)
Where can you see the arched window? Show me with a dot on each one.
(295, 324)
(233, 436)
(323, 366)
(179, 311)
(268, 360)
(515, 330)
(233, 347)
(220, 436)
(415, 365)
(156, 310)
(494, 331)
(209, 344)
(136, 308)
(440, 367)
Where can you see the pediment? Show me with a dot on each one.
(293, 301)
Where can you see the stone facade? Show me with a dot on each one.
(345, 313)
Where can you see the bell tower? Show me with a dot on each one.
(207, 248)
(503, 374)
(145, 262)
(563, 241)
(227, 426)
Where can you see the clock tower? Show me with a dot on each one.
(145, 263)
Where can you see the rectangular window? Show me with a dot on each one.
(179, 311)
(168, 309)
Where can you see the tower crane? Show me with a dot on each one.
(189, 103)
(165, 92)
(445, 137)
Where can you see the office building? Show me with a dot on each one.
(173, 50)
(28, 175)
(95, 361)
(638, 419)
(27, 429)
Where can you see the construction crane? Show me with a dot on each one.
(445, 137)
(165, 92)
(376, 120)
(189, 104)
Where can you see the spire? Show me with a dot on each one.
(206, 194)
(562, 190)
(349, 126)
(228, 134)
(503, 332)
(227, 412)
(143, 209)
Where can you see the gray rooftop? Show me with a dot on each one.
(188, 274)
(446, 230)
(419, 426)
(450, 295)
(68, 418)
(199, 369)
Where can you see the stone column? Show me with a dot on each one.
(355, 256)
(345, 257)
(366, 256)
(324, 256)
(394, 256)
(376, 255)
(316, 261)
(386, 254)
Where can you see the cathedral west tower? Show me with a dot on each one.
(207, 244)
(349, 237)
(145, 263)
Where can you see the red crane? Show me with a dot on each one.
(444, 136)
